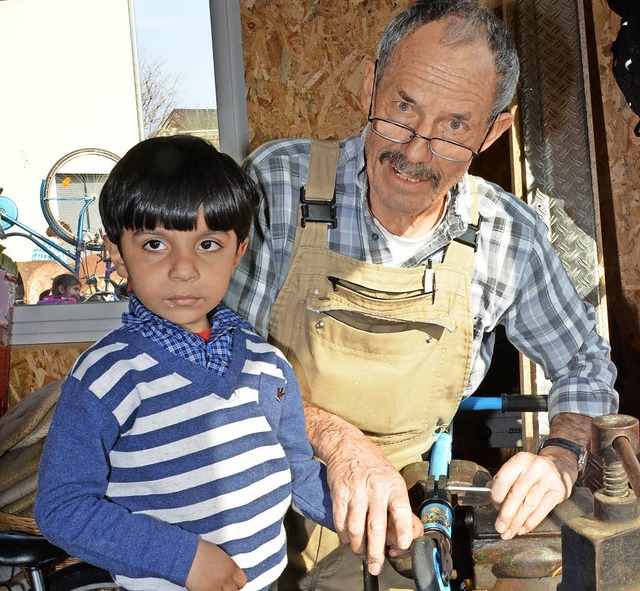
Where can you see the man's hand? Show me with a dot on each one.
(529, 486)
(212, 568)
(369, 495)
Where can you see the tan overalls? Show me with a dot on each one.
(373, 346)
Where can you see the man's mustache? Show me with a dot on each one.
(417, 170)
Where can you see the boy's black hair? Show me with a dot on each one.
(163, 181)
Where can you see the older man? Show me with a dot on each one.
(386, 299)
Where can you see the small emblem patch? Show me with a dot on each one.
(280, 394)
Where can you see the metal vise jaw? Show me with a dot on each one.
(601, 551)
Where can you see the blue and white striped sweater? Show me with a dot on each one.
(149, 449)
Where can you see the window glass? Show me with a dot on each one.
(85, 81)
(175, 60)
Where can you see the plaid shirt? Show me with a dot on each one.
(518, 281)
(214, 354)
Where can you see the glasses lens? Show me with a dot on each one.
(450, 151)
(392, 131)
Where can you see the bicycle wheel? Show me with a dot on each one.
(80, 577)
(426, 570)
(73, 182)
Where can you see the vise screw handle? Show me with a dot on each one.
(617, 439)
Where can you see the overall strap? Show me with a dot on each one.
(317, 197)
(463, 247)
(470, 236)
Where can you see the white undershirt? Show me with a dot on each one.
(402, 249)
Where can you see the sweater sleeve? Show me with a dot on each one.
(311, 495)
(72, 509)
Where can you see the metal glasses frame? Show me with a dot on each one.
(414, 133)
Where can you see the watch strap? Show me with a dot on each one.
(576, 448)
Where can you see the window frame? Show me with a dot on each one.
(88, 322)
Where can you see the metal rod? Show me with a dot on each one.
(478, 489)
(630, 462)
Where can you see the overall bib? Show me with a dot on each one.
(387, 349)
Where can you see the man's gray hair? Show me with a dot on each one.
(468, 23)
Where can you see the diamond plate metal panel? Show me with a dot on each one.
(557, 139)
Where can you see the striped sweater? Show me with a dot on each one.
(147, 452)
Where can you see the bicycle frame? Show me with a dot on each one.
(56, 251)
(436, 511)
(88, 200)
(45, 243)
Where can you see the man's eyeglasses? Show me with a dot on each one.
(403, 134)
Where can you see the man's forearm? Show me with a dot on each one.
(369, 495)
(328, 432)
(576, 428)
(571, 426)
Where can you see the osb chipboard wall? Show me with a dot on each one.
(623, 154)
(32, 367)
(303, 64)
(619, 183)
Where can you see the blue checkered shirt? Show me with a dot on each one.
(518, 281)
(213, 354)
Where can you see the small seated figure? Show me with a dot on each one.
(65, 289)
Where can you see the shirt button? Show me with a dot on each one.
(374, 236)
(320, 324)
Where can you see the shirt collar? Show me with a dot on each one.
(222, 320)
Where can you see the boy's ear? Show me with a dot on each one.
(116, 257)
(242, 247)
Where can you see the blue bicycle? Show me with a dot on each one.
(69, 201)
(434, 493)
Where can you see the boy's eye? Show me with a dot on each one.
(154, 245)
(209, 245)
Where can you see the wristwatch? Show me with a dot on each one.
(579, 450)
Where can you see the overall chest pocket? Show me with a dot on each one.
(376, 357)
(375, 311)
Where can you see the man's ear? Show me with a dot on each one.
(368, 72)
(500, 125)
(242, 248)
(116, 257)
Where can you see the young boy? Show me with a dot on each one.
(179, 440)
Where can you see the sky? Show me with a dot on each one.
(178, 34)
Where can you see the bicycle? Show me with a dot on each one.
(33, 556)
(431, 564)
(69, 194)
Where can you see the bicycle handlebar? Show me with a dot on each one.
(506, 403)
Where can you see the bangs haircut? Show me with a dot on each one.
(164, 181)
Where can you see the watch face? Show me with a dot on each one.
(582, 459)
